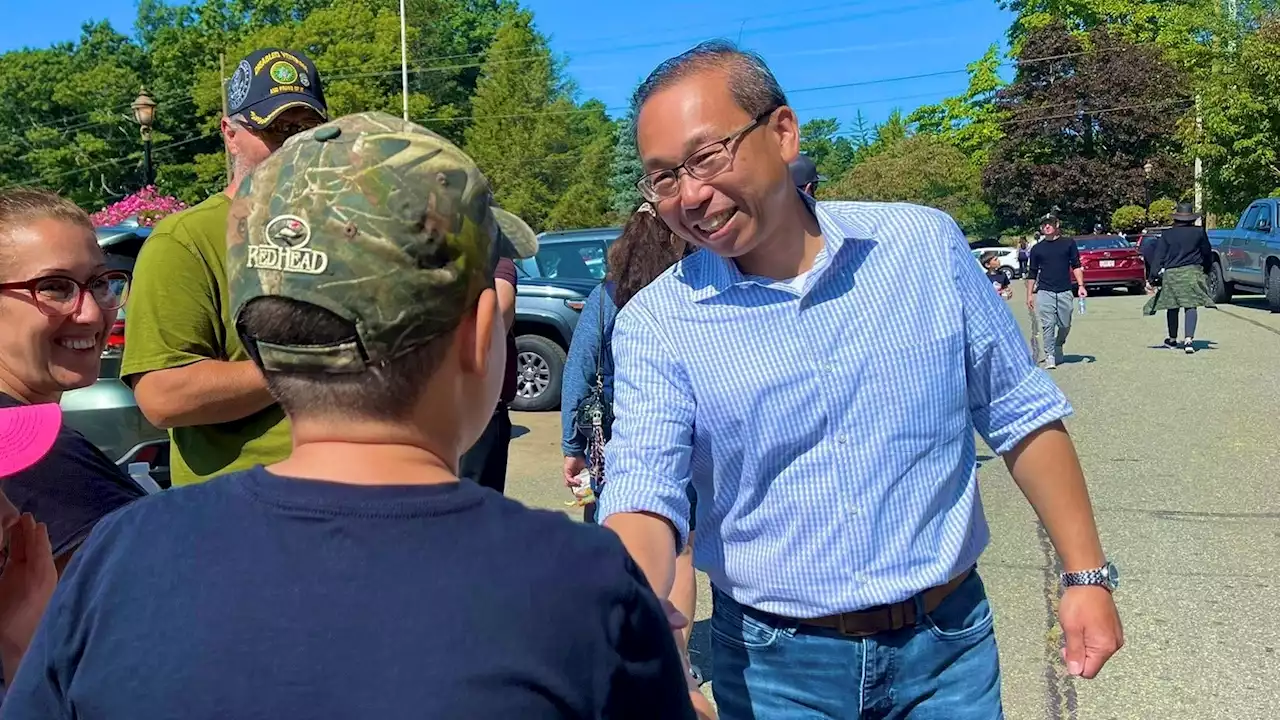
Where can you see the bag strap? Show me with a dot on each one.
(604, 292)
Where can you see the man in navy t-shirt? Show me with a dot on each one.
(358, 578)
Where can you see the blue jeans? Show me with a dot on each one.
(771, 668)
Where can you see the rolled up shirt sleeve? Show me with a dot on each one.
(647, 461)
(1009, 397)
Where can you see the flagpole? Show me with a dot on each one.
(404, 63)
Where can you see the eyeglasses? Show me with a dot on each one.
(58, 295)
(703, 164)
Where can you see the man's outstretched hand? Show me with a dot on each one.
(701, 706)
(1092, 628)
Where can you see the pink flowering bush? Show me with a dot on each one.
(146, 206)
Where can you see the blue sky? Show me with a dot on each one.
(811, 45)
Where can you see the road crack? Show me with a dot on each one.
(1060, 690)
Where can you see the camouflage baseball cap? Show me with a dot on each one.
(377, 220)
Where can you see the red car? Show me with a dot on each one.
(1110, 261)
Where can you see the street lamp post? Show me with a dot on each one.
(144, 113)
(1146, 187)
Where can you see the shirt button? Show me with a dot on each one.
(842, 439)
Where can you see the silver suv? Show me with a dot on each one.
(106, 412)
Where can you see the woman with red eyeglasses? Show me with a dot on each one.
(58, 301)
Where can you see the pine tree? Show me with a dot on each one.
(507, 139)
(625, 169)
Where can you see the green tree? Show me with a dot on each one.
(1241, 123)
(626, 169)
(970, 121)
(547, 158)
(832, 152)
(1081, 128)
(925, 170)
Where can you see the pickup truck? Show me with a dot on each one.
(1247, 258)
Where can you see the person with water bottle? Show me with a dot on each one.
(1054, 262)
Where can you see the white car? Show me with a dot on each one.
(1008, 260)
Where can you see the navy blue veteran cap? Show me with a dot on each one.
(272, 80)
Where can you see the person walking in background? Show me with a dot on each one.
(189, 372)
(1180, 263)
(55, 326)
(804, 173)
(1054, 263)
(1023, 256)
(781, 370)
(486, 463)
(645, 249)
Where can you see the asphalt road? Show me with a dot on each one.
(1183, 459)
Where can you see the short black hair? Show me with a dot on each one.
(386, 392)
(752, 84)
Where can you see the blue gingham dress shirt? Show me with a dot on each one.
(827, 427)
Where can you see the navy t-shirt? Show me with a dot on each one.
(258, 596)
(1052, 262)
(70, 489)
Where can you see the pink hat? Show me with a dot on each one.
(26, 435)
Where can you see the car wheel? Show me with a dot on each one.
(1137, 289)
(1219, 290)
(1273, 288)
(539, 372)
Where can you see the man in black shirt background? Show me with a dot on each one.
(1054, 260)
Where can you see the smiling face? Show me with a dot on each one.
(734, 212)
(41, 356)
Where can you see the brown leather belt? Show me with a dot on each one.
(886, 618)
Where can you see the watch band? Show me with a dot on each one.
(1105, 576)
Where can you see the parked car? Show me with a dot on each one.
(551, 291)
(106, 412)
(1008, 260)
(1110, 261)
(1246, 259)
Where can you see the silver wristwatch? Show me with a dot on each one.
(1107, 576)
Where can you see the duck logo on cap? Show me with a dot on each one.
(286, 248)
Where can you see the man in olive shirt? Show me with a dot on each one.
(183, 356)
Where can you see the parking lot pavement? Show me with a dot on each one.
(1183, 459)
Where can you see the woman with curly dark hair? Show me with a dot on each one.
(645, 250)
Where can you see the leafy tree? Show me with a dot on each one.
(1241, 121)
(1081, 127)
(1129, 218)
(832, 153)
(970, 121)
(922, 169)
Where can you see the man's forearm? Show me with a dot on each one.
(1047, 470)
(651, 541)
(208, 392)
(1031, 286)
(1079, 273)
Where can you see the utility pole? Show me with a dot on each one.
(226, 108)
(404, 64)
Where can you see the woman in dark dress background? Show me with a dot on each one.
(1180, 263)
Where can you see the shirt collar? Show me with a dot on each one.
(714, 275)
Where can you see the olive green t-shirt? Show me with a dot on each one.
(178, 314)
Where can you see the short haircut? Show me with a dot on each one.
(386, 392)
(752, 84)
(987, 257)
(21, 206)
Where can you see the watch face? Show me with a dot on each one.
(1113, 576)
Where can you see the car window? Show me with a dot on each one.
(1108, 243)
(1264, 216)
(1251, 218)
(572, 260)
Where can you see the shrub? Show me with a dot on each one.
(145, 207)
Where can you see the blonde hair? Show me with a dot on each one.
(22, 206)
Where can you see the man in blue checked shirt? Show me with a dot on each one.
(824, 404)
